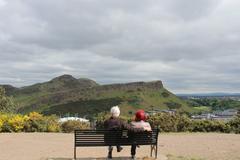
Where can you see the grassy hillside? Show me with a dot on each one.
(128, 101)
(66, 94)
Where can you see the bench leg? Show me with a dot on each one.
(155, 148)
(156, 151)
(151, 150)
(74, 153)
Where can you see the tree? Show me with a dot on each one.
(6, 103)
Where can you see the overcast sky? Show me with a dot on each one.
(193, 46)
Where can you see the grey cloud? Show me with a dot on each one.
(192, 10)
(191, 45)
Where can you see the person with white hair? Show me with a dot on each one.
(114, 123)
(115, 111)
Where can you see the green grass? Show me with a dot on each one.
(201, 109)
(92, 102)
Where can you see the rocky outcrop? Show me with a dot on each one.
(87, 83)
(154, 85)
(69, 81)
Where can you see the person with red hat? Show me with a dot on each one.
(139, 122)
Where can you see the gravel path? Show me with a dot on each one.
(59, 146)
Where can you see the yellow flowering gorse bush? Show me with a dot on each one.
(1, 124)
(33, 122)
(3, 119)
(35, 115)
(17, 122)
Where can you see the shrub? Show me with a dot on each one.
(35, 116)
(39, 123)
(199, 126)
(36, 123)
(71, 125)
(6, 103)
(235, 124)
(17, 123)
(101, 117)
(169, 122)
(1, 124)
(14, 123)
(181, 123)
(33, 122)
(52, 124)
(3, 120)
(210, 126)
(220, 126)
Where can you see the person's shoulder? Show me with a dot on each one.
(107, 120)
(146, 123)
(136, 124)
(143, 123)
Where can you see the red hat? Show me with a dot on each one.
(140, 115)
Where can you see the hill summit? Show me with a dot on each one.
(85, 97)
(68, 81)
(71, 81)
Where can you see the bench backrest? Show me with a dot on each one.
(114, 137)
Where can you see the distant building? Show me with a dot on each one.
(170, 111)
(225, 115)
(155, 111)
(73, 119)
(204, 116)
(228, 112)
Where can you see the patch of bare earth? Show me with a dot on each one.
(56, 146)
(59, 146)
(209, 146)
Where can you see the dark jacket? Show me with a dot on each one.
(116, 123)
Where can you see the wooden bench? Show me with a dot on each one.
(93, 138)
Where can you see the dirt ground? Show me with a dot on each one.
(209, 146)
(59, 146)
